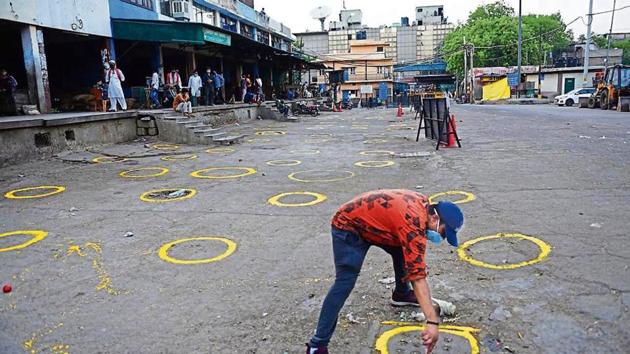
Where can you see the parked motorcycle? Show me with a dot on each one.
(302, 108)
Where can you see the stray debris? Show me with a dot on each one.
(446, 308)
(350, 317)
(177, 194)
(265, 314)
(596, 225)
(419, 187)
(418, 316)
(500, 314)
(413, 154)
(73, 209)
(129, 234)
(492, 343)
(584, 137)
(389, 280)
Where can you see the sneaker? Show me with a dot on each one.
(318, 350)
(404, 299)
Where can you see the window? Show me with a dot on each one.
(147, 4)
(353, 71)
(350, 37)
(379, 69)
(379, 49)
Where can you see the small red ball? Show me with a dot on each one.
(7, 288)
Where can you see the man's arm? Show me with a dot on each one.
(423, 294)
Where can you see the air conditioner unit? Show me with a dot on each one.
(180, 10)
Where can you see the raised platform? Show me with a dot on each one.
(57, 119)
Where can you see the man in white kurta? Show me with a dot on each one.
(114, 77)
(194, 84)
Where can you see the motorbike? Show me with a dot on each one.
(302, 108)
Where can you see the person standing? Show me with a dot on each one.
(208, 87)
(194, 84)
(219, 82)
(8, 84)
(155, 87)
(259, 89)
(243, 87)
(114, 77)
(181, 103)
(400, 222)
(173, 80)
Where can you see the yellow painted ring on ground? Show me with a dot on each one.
(545, 250)
(375, 141)
(108, 159)
(146, 196)
(275, 200)
(129, 173)
(257, 140)
(270, 132)
(163, 251)
(374, 164)
(179, 157)
(293, 177)
(465, 332)
(220, 150)
(377, 153)
(283, 162)
(165, 146)
(305, 152)
(55, 190)
(37, 235)
(468, 197)
(199, 174)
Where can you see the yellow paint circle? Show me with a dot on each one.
(377, 153)
(283, 162)
(146, 196)
(108, 159)
(305, 152)
(375, 141)
(271, 132)
(163, 251)
(161, 171)
(258, 140)
(545, 250)
(275, 200)
(369, 164)
(165, 146)
(36, 236)
(200, 173)
(179, 157)
(220, 150)
(468, 197)
(293, 176)
(54, 190)
(465, 332)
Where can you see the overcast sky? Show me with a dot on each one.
(295, 13)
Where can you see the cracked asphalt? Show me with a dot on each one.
(560, 175)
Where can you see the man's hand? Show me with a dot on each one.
(430, 337)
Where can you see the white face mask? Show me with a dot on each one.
(107, 66)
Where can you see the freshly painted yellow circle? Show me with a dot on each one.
(271, 132)
(283, 162)
(375, 141)
(165, 146)
(161, 172)
(179, 157)
(145, 197)
(293, 177)
(305, 152)
(199, 174)
(55, 190)
(545, 250)
(377, 153)
(37, 235)
(275, 200)
(468, 197)
(374, 164)
(108, 159)
(465, 332)
(220, 150)
(163, 251)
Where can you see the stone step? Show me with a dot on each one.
(208, 130)
(173, 117)
(229, 139)
(198, 126)
(215, 135)
(188, 121)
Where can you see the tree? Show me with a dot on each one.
(493, 30)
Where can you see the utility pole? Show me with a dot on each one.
(520, 44)
(465, 67)
(612, 20)
(472, 73)
(542, 59)
(587, 51)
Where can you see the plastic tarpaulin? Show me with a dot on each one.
(498, 90)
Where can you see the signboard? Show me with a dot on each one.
(217, 37)
(366, 89)
(383, 91)
(513, 79)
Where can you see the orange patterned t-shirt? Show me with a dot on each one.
(391, 217)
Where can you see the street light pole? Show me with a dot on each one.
(612, 20)
(587, 51)
(520, 45)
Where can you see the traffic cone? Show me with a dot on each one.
(400, 111)
(452, 128)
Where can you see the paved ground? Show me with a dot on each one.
(557, 174)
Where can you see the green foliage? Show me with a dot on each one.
(493, 29)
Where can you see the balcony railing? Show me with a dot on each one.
(369, 76)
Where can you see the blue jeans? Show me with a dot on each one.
(154, 97)
(349, 251)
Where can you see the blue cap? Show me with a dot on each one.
(452, 218)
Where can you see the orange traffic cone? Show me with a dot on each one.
(452, 128)
(400, 111)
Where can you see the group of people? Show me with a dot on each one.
(251, 91)
(8, 84)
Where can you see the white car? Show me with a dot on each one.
(572, 97)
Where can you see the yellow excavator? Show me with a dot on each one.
(613, 91)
